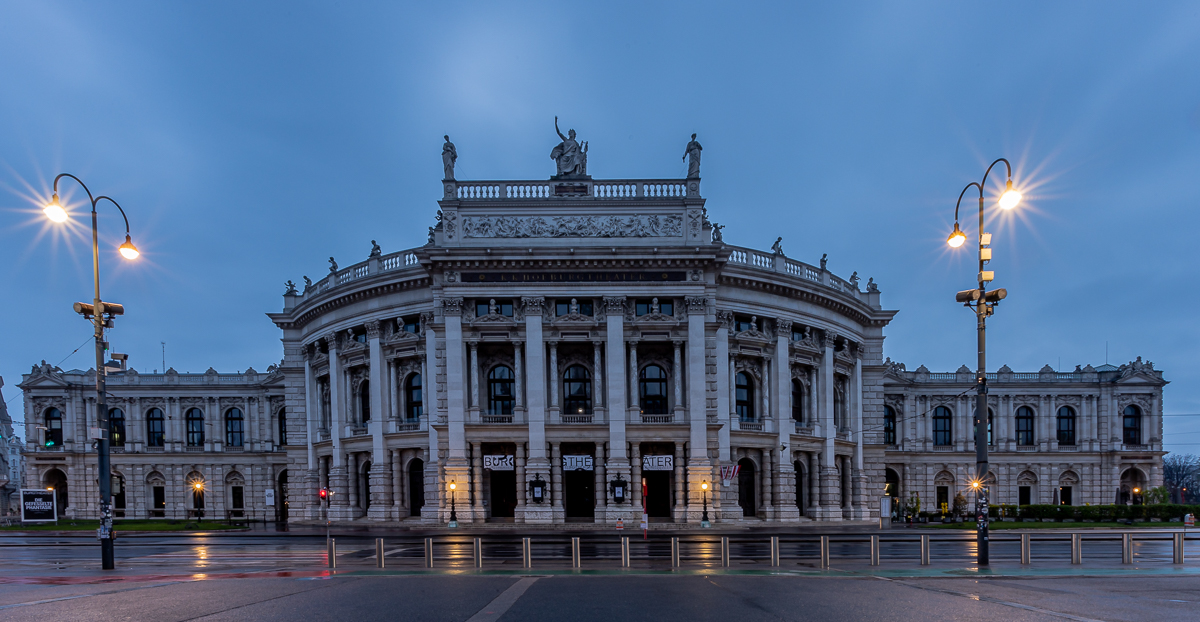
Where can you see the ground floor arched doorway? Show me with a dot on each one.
(56, 480)
(416, 486)
(364, 487)
(746, 489)
(281, 501)
(800, 477)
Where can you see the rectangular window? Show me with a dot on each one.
(943, 498)
(1024, 495)
(1064, 495)
(741, 323)
(797, 333)
(1066, 430)
(239, 501)
(411, 325)
(561, 308)
(585, 308)
(646, 307)
(485, 307)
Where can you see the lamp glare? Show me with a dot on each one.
(1010, 198)
(54, 211)
(957, 237)
(128, 250)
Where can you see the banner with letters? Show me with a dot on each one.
(39, 506)
(658, 463)
(499, 463)
(577, 463)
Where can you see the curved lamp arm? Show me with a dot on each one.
(980, 185)
(110, 200)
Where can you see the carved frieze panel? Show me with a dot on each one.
(634, 226)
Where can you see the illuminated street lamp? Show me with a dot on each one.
(984, 303)
(453, 514)
(704, 517)
(101, 314)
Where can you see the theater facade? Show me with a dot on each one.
(576, 350)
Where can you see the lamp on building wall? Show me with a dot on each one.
(453, 514)
(619, 487)
(101, 316)
(704, 517)
(537, 488)
(984, 303)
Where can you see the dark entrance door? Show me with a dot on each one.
(799, 486)
(281, 501)
(504, 493)
(746, 492)
(580, 494)
(364, 488)
(416, 486)
(658, 493)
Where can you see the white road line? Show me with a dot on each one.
(989, 599)
(493, 610)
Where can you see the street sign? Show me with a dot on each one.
(39, 506)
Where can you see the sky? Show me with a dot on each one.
(248, 142)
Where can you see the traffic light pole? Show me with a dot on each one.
(105, 532)
(982, 420)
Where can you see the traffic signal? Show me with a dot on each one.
(324, 494)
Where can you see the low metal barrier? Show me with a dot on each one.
(704, 551)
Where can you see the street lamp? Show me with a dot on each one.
(984, 303)
(453, 514)
(101, 315)
(704, 517)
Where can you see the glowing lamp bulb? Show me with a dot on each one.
(957, 237)
(704, 486)
(128, 250)
(198, 486)
(1010, 198)
(453, 486)
(54, 211)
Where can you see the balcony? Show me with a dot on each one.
(577, 418)
(657, 418)
(408, 425)
(496, 418)
(750, 426)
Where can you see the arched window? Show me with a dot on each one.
(234, 427)
(797, 401)
(652, 390)
(1025, 426)
(1066, 426)
(743, 399)
(577, 391)
(941, 426)
(991, 417)
(412, 397)
(500, 391)
(839, 408)
(1133, 425)
(889, 425)
(364, 401)
(116, 427)
(54, 429)
(282, 423)
(326, 407)
(155, 428)
(194, 419)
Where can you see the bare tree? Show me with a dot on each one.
(1180, 475)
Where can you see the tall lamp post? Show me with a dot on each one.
(984, 303)
(453, 514)
(704, 517)
(101, 315)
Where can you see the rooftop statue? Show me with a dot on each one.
(568, 155)
(332, 265)
(693, 149)
(375, 250)
(777, 247)
(291, 288)
(449, 157)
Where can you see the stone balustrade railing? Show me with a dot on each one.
(969, 377)
(772, 262)
(582, 188)
(403, 260)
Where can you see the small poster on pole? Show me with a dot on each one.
(39, 506)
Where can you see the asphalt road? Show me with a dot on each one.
(559, 598)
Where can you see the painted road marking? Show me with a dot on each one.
(501, 604)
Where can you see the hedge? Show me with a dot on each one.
(1098, 513)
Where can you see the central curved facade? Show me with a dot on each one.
(595, 337)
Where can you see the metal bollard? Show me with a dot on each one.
(1177, 541)
(379, 560)
(724, 551)
(624, 551)
(575, 552)
(527, 552)
(429, 552)
(874, 550)
(924, 550)
(331, 552)
(1126, 548)
(1076, 548)
(478, 552)
(674, 552)
(1025, 557)
(824, 551)
(774, 551)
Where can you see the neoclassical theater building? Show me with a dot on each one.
(576, 350)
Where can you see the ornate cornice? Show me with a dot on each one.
(452, 306)
(373, 329)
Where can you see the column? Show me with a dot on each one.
(829, 472)
(614, 357)
(352, 488)
(765, 402)
(724, 385)
(635, 482)
(768, 489)
(522, 485)
(597, 376)
(535, 375)
(814, 484)
(378, 483)
(601, 486)
(859, 499)
(456, 467)
(556, 481)
(393, 383)
(785, 489)
(677, 376)
(310, 412)
(431, 391)
(554, 381)
(679, 511)
(474, 379)
(518, 369)
(475, 493)
(337, 473)
(1052, 424)
(699, 467)
(399, 501)
(634, 406)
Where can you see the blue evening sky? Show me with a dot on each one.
(250, 141)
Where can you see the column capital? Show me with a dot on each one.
(614, 305)
(426, 320)
(725, 317)
(452, 306)
(332, 341)
(695, 304)
(533, 305)
(783, 328)
(373, 329)
(829, 338)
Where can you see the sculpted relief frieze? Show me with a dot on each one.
(635, 226)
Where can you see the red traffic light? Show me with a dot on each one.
(324, 493)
